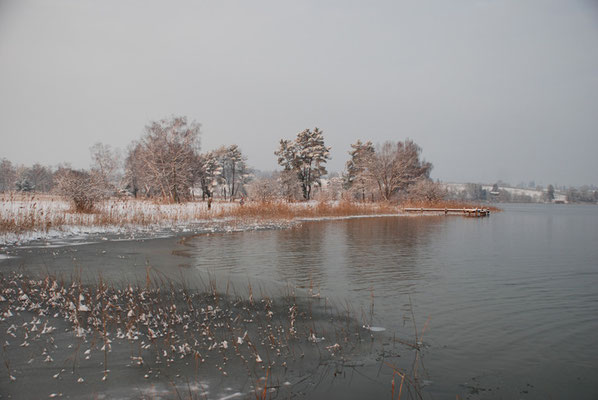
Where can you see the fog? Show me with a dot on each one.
(489, 89)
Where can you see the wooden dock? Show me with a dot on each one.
(467, 212)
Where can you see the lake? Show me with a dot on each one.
(509, 303)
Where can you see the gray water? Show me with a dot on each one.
(511, 300)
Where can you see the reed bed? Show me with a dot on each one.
(274, 210)
(47, 215)
(77, 334)
(42, 213)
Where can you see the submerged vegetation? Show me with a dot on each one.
(166, 333)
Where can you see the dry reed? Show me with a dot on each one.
(21, 213)
(283, 210)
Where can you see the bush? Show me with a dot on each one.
(426, 191)
(80, 187)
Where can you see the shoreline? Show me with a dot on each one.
(111, 233)
(24, 220)
(118, 233)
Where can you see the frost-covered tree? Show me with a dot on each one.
(208, 173)
(354, 177)
(306, 156)
(8, 175)
(395, 166)
(106, 165)
(264, 189)
(165, 158)
(23, 185)
(235, 172)
(290, 186)
(550, 193)
(473, 191)
(81, 187)
(333, 190)
(427, 191)
(136, 179)
(40, 177)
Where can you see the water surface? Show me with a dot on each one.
(511, 300)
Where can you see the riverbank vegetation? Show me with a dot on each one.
(21, 213)
(164, 180)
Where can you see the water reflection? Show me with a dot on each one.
(388, 254)
(299, 257)
(385, 253)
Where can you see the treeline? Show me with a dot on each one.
(166, 163)
(583, 194)
(503, 193)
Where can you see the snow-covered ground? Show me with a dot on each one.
(44, 217)
(47, 218)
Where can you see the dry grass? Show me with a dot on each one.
(21, 213)
(288, 211)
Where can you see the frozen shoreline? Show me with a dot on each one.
(133, 232)
(44, 218)
(75, 233)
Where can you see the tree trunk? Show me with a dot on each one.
(232, 191)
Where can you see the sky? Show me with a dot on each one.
(491, 90)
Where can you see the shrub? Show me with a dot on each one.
(80, 187)
(425, 190)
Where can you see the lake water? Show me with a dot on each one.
(509, 302)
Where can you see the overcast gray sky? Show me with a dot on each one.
(490, 89)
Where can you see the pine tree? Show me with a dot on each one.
(306, 156)
(209, 173)
(354, 178)
(235, 172)
(550, 193)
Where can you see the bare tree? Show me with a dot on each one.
(332, 191)
(291, 187)
(81, 187)
(40, 177)
(264, 189)
(106, 165)
(167, 155)
(426, 190)
(8, 175)
(136, 179)
(305, 156)
(395, 166)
